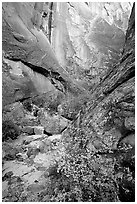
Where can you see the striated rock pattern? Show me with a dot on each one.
(23, 41)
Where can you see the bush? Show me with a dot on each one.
(84, 177)
(9, 130)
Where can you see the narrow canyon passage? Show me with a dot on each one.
(68, 102)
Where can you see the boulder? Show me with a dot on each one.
(130, 123)
(54, 124)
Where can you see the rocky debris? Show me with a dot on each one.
(30, 167)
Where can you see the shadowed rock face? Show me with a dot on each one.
(24, 42)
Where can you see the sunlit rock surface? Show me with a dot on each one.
(91, 35)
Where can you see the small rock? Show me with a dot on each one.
(35, 187)
(97, 144)
(38, 130)
(46, 146)
(28, 129)
(32, 151)
(130, 123)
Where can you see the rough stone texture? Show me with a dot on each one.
(130, 123)
(111, 103)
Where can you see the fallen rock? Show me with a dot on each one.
(54, 124)
(28, 129)
(130, 123)
(46, 146)
(38, 130)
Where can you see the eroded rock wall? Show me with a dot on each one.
(101, 142)
(25, 42)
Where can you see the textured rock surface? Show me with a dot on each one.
(60, 143)
(26, 173)
(111, 104)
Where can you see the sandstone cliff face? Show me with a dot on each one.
(69, 69)
(24, 42)
(101, 131)
(89, 35)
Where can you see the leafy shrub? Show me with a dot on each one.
(84, 176)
